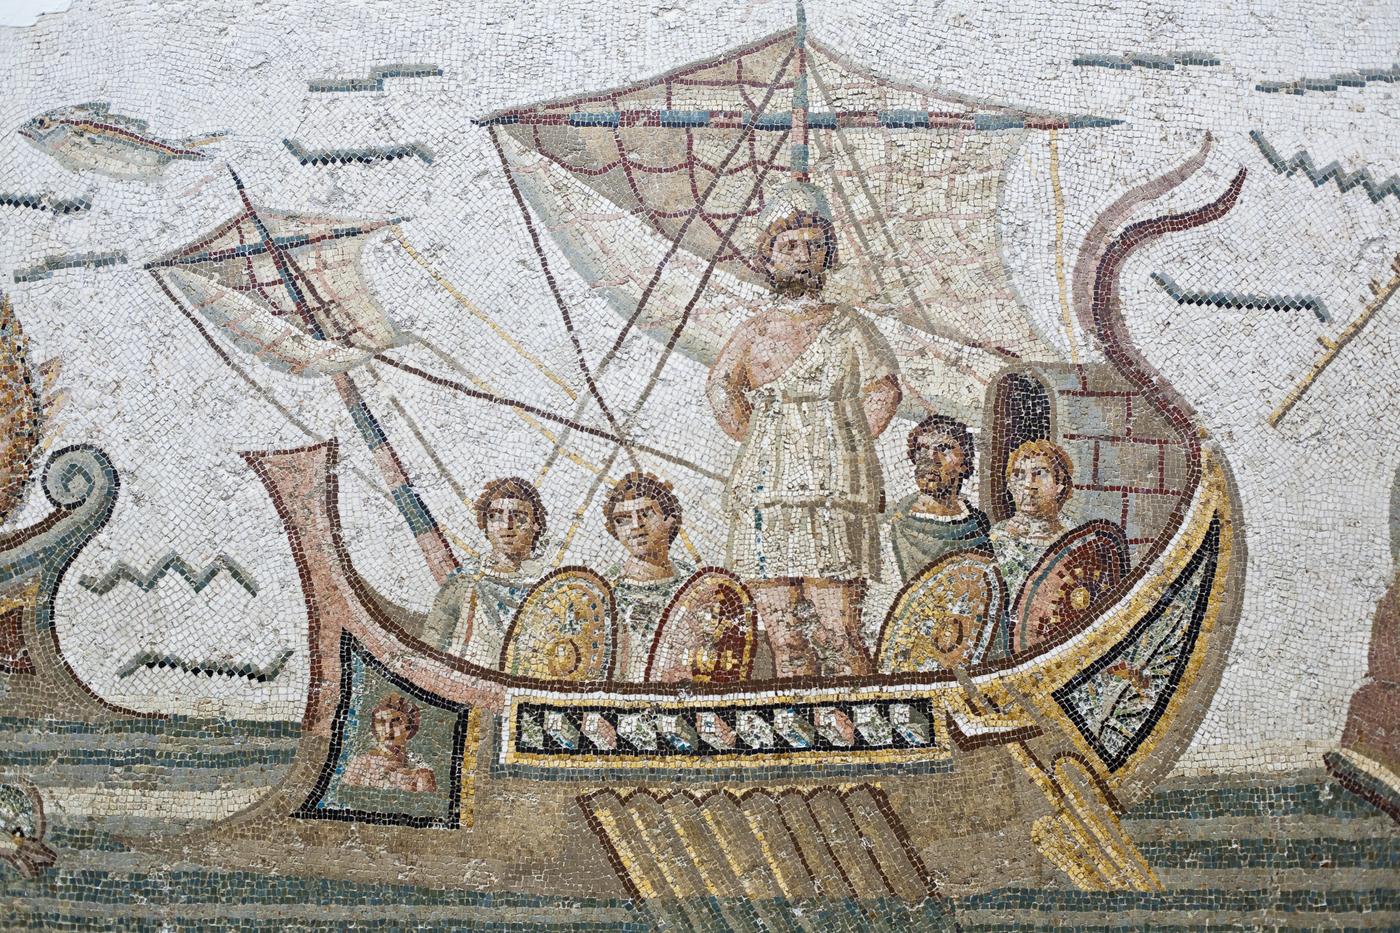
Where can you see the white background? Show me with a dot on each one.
(145, 388)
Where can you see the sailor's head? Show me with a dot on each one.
(395, 720)
(942, 451)
(1040, 478)
(644, 515)
(796, 244)
(512, 515)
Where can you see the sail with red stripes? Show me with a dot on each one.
(286, 287)
(653, 192)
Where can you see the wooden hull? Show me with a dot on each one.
(847, 787)
(865, 787)
(931, 763)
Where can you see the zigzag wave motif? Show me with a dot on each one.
(197, 580)
(45, 268)
(1302, 162)
(375, 80)
(365, 155)
(1332, 82)
(1130, 60)
(152, 660)
(47, 202)
(1236, 300)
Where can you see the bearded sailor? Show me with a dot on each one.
(805, 387)
(937, 520)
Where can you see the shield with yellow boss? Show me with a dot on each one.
(708, 633)
(564, 630)
(1071, 582)
(945, 617)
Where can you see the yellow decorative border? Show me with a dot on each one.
(1036, 680)
(471, 752)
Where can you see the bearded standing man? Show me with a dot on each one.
(805, 387)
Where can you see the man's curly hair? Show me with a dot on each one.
(513, 487)
(639, 485)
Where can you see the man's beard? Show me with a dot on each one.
(936, 487)
(797, 286)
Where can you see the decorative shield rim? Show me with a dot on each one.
(694, 580)
(508, 640)
(928, 573)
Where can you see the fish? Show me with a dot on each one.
(90, 137)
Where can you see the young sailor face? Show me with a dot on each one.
(391, 728)
(1034, 488)
(939, 463)
(643, 529)
(798, 261)
(511, 527)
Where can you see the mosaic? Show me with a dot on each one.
(754, 465)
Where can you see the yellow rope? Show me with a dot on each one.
(1383, 294)
(499, 331)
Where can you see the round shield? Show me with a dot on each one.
(564, 630)
(943, 618)
(1066, 587)
(709, 632)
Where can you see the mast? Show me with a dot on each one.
(800, 158)
(415, 512)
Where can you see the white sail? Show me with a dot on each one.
(287, 288)
(914, 178)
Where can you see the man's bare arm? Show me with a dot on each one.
(880, 400)
(727, 382)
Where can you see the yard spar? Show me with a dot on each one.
(653, 192)
(289, 289)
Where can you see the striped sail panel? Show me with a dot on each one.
(286, 287)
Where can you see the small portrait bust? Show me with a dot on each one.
(388, 766)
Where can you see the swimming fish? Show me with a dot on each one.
(89, 137)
